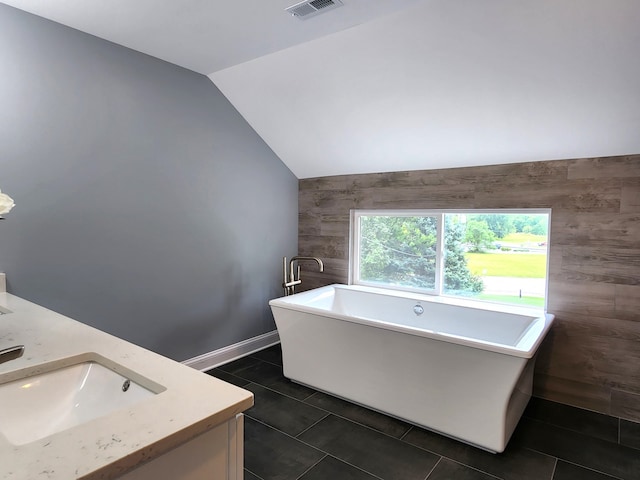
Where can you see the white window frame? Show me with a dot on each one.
(354, 245)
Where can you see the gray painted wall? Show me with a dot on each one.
(145, 205)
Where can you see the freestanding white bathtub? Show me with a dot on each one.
(461, 368)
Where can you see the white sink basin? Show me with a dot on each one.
(35, 407)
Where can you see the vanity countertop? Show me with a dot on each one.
(106, 447)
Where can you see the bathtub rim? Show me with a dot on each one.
(528, 342)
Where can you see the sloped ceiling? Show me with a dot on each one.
(204, 35)
(390, 85)
(451, 83)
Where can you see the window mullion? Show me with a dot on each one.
(439, 254)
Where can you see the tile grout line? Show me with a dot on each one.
(354, 466)
(304, 400)
(371, 428)
(286, 434)
(617, 419)
(404, 435)
(241, 370)
(333, 456)
(267, 361)
(397, 439)
(310, 427)
(471, 467)
(268, 387)
(261, 385)
(575, 464)
(434, 467)
(555, 466)
(394, 438)
(327, 454)
(574, 431)
(474, 468)
(329, 412)
(231, 374)
(312, 466)
(252, 473)
(440, 456)
(607, 475)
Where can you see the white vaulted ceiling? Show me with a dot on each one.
(384, 85)
(204, 35)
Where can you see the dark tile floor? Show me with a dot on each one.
(294, 432)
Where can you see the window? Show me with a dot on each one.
(497, 255)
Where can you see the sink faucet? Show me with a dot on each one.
(290, 277)
(11, 353)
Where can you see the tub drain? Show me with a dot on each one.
(418, 309)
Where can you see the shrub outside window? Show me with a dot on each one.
(496, 255)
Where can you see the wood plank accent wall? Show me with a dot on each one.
(591, 358)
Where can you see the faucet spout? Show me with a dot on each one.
(11, 353)
(299, 259)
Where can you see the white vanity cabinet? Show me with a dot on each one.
(213, 455)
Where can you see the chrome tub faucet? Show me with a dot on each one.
(291, 275)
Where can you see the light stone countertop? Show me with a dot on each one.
(106, 447)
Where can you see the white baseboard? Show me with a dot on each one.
(223, 355)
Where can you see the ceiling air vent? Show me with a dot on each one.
(311, 8)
